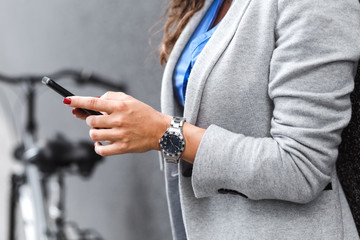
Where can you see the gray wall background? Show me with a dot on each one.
(125, 198)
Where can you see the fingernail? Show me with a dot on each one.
(67, 101)
(73, 111)
(98, 96)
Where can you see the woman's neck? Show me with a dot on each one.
(222, 12)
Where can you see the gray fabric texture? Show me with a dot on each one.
(272, 89)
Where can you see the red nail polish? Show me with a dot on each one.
(67, 101)
(98, 96)
(73, 111)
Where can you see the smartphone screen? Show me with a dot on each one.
(64, 92)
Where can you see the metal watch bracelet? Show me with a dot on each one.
(175, 131)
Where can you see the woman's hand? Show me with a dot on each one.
(128, 125)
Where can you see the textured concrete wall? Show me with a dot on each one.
(125, 198)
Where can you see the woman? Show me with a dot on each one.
(265, 87)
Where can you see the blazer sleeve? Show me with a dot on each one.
(311, 77)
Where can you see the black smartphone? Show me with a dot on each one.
(63, 92)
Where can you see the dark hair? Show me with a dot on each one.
(177, 16)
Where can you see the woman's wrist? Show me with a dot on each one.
(192, 135)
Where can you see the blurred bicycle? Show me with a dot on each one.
(37, 207)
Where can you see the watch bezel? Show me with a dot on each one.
(181, 141)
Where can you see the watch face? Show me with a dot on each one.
(172, 144)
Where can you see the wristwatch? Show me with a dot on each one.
(172, 143)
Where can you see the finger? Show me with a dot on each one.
(96, 104)
(79, 113)
(107, 135)
(101, 121)
(108, 150)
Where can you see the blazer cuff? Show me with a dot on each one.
(208, 177)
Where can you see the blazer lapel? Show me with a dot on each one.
(168, 100)
(210, 55)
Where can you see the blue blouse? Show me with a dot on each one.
(193, 49)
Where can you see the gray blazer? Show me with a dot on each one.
(272, 89)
